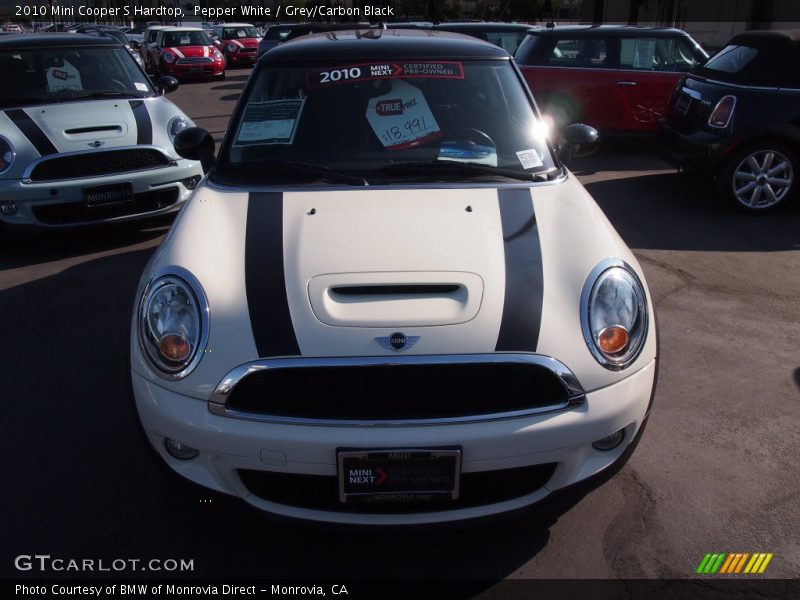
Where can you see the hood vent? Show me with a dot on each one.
(94, 129)
(395, 299)
(395, 290)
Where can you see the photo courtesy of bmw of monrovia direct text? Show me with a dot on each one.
(178, 12)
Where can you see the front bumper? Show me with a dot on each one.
(236, 59)
(228, 445)
(188, 71)
(60, 204)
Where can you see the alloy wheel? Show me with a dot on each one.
(762, 179)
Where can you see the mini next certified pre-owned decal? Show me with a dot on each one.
(368, 71)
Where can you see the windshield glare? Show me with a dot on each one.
(368, 119)
(238, 33)
(56, 74)
(185, 38)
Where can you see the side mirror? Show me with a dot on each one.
(135, 45)
(574, 136)
(195, 143)
(166, 84)
(217, 43)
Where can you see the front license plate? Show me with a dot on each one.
(103, 195)
(398, 475)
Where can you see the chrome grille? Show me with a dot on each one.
(396, 390)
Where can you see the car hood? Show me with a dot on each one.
(331, 273)
(81, 126)
(191, 51)
(243, 42)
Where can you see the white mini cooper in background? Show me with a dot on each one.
(390, 303)
(84, 136)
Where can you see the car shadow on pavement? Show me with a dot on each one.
(797, 377)
(85, 484)
(230, 97)
(229, 86)
(31, 248)
(675, 212)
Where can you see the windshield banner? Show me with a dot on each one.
(367, 71)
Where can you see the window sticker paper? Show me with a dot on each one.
(271, 122)
(65, 77)
(529, 159)
(402, 118)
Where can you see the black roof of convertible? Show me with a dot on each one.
(385, 44)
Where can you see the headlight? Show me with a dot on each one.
(168, 57)
(231, 47)
(614, 314)
(7, 154)
(175, 126)
(216, 54)
(173, 326)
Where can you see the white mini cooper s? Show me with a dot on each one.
(389, 302)
(85, 136)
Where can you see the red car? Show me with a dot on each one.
(187, 52)
(238, 43)
(618, 79)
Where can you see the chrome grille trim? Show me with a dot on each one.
(218, 400)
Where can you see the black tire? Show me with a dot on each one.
(734, 178)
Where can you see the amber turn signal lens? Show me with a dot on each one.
(174, 347)
(613, 339)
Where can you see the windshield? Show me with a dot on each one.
(385, 122)
(48, 75)
(185, 38)
(278, 33)
(731, 59)
(238, 33)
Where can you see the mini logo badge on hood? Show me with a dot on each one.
(398, 341)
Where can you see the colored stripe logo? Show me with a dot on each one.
(733, 563)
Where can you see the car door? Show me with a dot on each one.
(571, 76)
(649, 68)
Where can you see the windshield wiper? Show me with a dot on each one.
(307, 168)
(104, 94)
(463, 167)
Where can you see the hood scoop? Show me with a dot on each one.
(396, 299)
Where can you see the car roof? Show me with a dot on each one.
(159, 27)
(223, 25)
(772, 35)
(483, 26)
(49, 40)
(183, 29)
(385, 44)
(610, 30)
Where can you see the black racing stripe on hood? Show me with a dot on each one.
(522, 308)
(144, 128)
(264, 277)
(32, 131)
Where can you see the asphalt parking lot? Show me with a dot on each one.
(717, 468)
